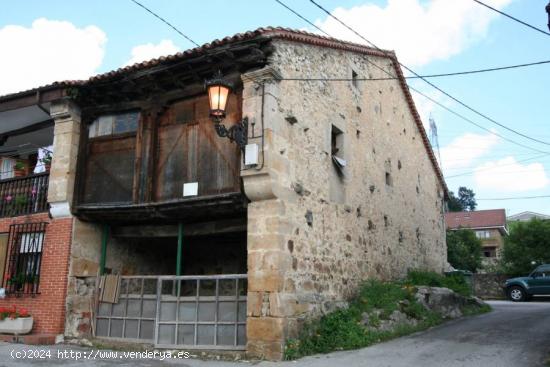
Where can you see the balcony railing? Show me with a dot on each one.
(24, 195)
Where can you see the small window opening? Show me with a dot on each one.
(389, 180)
(337, 149)
(114, 124)
(490, 252)
(354, 79)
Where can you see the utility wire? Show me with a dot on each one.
(345, 79)
(427, 81)
(513, 18)
(475, 123)
(165, 22)
(321, 30)
(423, 76)
(414, 89)
(517, 198)
(495, 167)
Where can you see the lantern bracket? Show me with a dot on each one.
(237, 133)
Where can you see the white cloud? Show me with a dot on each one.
(465, 149)
(420, 32)
(150, 51)
(507, 175)
(48, 51)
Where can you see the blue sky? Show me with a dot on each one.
(432, 36)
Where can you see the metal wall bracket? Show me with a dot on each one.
(237, 133)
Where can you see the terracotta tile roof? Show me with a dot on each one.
(269, 32)
(476, 219)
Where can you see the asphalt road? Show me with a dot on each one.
(514, 334)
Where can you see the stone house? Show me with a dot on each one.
(220, 247)
(489, 226)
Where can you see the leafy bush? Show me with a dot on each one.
(455, 282)
(464, 250)
(528, 242)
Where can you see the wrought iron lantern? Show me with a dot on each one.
(218, 94)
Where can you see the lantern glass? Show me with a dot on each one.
(217, 97)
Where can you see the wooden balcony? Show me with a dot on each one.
(24, 195)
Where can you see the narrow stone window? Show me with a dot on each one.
(337, 190)
(354, 77)
(337, 149)
(389, 180)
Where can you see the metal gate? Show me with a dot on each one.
(194, 312)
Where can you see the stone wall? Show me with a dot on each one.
(84, 267)
(314, 235)
(489, 286)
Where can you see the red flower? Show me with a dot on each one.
(23, 312)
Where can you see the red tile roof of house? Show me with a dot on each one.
(476, 219)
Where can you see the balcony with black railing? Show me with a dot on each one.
(24, 195)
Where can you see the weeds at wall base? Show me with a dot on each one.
(346, 329)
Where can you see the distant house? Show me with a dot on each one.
(489, 226)
(527, 216)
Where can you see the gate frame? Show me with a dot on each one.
(237, 299)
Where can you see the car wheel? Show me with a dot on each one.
(516, 294)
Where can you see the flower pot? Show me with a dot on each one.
(18, 326)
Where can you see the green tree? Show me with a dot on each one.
(527, 245)
(465, 200)
(454, 204)
(464, 250)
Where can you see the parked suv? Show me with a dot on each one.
(523, 288)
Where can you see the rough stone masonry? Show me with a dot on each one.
(316, 230)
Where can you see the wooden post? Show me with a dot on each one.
(104, 240)
(180, 249)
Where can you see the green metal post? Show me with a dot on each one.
(180, 249)
(104, 240)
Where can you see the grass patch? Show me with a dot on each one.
(345, 329)
(455, 282)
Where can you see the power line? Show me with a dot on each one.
(517, 198)
(477, 71)
(513, 18)
(165, 22)
(468, 173)
(475, 123)
(414, 89)
(484, 156)
(427, 81)
(321, 30)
